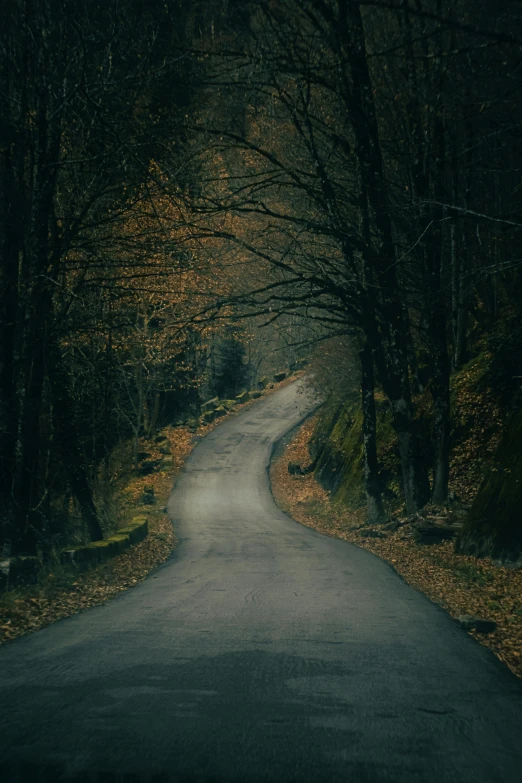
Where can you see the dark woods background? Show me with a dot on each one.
(335, 169)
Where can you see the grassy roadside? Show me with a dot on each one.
(62, 591)
(460, 584)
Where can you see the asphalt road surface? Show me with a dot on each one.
(262, 651)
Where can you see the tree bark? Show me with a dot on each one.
(441, 422)
(140, 403)
(8, 326)
(154, 414)
(393, 337)
(67, 442)
(374, 507)
(427, 182)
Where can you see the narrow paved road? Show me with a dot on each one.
(262, 651)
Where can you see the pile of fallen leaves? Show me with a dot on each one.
(61, 592)
(460, 584)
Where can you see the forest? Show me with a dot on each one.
(195, 194)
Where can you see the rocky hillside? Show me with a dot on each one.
(485, 467)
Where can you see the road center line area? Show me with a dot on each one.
(261, 651)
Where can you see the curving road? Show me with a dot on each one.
(262, 651)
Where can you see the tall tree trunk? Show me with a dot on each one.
(440, 364)
(462, 324)
(374, 507)
(417, 385)
(427, 178)
(67, 441)
(28, 442)
(139, 413)
(455, 290)
(393, 329)
(441, 419)
(37, 181)
(8, 329)
(436, 308)
(414, 476)
(154, 414)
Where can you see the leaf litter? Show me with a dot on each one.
(461, 584)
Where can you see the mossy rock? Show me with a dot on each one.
(221, 411)
(279, 376)
(243, 397)
(493, 526)
(142, 523)
(229, 404)
(120, 542)
(109, 547)
(328, 415)
(136, 530)
(208, 416)
(103, 550)
(339, 462)
(148, 496)
(86, 555)
(336, 449)
(263, 382)
(100, 551)
(255, 395)
(347, 435)
(210, 405)
(149, 466)
(81, 556)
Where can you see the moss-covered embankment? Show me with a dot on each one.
(25, 570)
(337, 451)
(99, 551)
(485, 466)
(494, 524)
